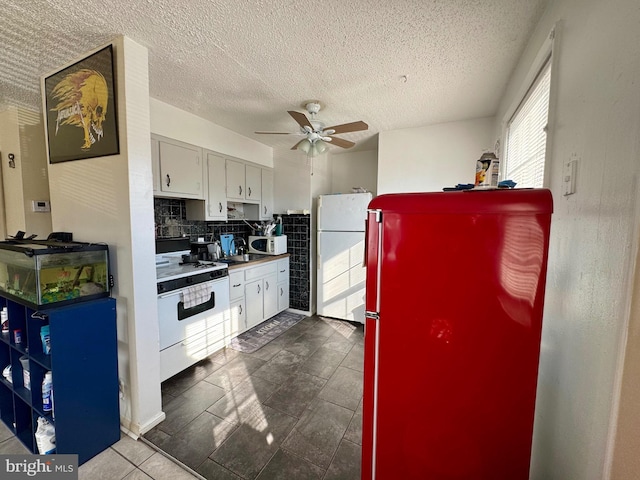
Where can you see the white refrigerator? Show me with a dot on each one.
(341, 273)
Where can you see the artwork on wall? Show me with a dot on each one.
(80, 109)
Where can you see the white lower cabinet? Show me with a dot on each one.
(258, 293)
(237, 318)
(254, 296)
(237, 321)
(270, 296)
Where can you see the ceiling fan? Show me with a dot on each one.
(317, 134)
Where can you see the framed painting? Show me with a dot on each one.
(80, 109)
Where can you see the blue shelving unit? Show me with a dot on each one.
(84, 366)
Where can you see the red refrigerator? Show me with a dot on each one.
(454, 299)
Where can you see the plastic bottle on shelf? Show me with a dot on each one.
(47, 393)
(4, 321)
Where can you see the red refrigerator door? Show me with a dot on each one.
(456, 281)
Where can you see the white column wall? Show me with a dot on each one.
(110, 200)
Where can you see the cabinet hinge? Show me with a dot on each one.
(372, 315)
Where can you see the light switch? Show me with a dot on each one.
(569, 171)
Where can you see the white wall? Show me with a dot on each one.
(110, 200)
(594, 239)
(354, 169)
(22, 134)
(426, 159)
(172, 122)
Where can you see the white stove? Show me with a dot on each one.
(174, 274)
(193, 303)
(169, 266)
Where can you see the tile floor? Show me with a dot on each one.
(291, 410)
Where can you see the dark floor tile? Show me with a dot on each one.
(166, 398)
(224, 355)
(338, 343)
(197, 440)
(235, 371)
(306, 344)
(157, 437)
(354, 432)
(317, 434)
(355, 358)
(285, 465)
(323, 363)
(186, 379)
(346, 462)
(324, 327)
(212, 471)
(242, 402)
(280, 367)
(296, 394)
(343, 388)
(189, 405)
(254, 442)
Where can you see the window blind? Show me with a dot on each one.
(527, 136)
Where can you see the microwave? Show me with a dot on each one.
(268, 245)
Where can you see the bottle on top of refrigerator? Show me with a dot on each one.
(47, 393)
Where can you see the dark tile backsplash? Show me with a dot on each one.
(171, 221)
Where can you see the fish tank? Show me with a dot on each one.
(52, 273)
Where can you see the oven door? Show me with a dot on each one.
(177, 324)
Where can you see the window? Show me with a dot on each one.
(526, 136)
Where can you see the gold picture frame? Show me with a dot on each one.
(80, 109)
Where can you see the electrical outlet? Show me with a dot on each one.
(569, 171)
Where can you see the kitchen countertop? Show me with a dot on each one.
(256, 259)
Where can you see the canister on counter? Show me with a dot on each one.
(487, 171)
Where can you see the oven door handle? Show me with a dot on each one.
(184, 313)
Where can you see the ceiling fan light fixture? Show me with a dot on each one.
(320, 147)
(313, 148)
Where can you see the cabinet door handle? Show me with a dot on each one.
(258, 288)
(239, 189)
(265, 209)
(282, 271)
(239, 309)
(281, 291)
(266, 285)
(168, 180)
(237, 285)
(249, 189)
(220, 206)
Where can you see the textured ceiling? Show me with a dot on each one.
(242, 64)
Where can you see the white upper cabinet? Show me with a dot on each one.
(235, 180)
(180, 169)
(253, 177)
(214, 206)
(266, 204)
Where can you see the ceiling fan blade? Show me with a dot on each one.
(280, 133)
(295, 147)
(341, 142)
(348, 127)
(301, 118)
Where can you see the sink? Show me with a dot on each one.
(235, 259)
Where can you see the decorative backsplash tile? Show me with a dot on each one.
(171, 221)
